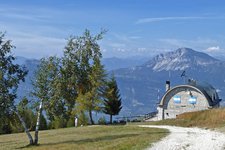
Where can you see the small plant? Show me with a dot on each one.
(102, 121)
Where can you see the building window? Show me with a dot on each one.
(177, 99)
(192, 100)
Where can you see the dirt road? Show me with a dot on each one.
(189, 139)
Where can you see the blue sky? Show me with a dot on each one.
(135, 27)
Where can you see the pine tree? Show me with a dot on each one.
(112, 101)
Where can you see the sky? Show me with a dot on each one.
(135, 27)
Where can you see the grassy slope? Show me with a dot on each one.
(86, 138)
(213, 118)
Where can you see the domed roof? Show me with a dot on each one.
(206, 89)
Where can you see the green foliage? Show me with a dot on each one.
(47, 87)
(83, 72)
(45, 77)
(43, 89)
(70, 122)
(43, 123)
(102, 121)
(10, 76)
(78, 77)
(27, 114)
(112, 102)
(57, 123)
(5, 126)
(12, 124)
(82, 119)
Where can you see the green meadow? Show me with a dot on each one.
(126, 137)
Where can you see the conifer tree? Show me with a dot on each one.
(112, 101)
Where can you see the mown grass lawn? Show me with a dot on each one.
(88, 138)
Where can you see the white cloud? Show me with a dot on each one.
(117, 45)
(149, 20)
(172, 41)
(37, 46)
(188, 43)
(142, 49)
(104, 50)
(121, 50)
(213, 49)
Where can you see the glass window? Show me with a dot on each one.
(192, 100)
(177, 99)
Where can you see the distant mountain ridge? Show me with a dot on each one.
(116, 63)
(142, 82)
(142, 85)
(32, 64)
(180, 59)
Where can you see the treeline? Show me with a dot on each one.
(74, 85)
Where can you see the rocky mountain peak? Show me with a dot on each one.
(180, 59)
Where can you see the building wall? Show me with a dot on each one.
(173, 107)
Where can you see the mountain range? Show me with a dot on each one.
(143, 86)
(142, 82)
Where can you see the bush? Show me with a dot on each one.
(43, 123)
(102, 121)
(82, 119)
(6, 129)
(57, 123)
(70, 122)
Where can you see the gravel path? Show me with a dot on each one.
(189, 139)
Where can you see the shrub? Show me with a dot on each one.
(102, 121)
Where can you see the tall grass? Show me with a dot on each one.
(212, 118)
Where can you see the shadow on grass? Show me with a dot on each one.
(89, 140)
(28, 146)
(7, 142)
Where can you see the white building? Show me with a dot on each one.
(193, 96)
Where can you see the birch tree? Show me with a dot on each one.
(43, 89)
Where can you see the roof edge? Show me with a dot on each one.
(183, 85)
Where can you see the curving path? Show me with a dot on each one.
(189, 139)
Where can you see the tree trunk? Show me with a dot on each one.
(91, 119)
(25, 127)
(110, 119)
(38, 123)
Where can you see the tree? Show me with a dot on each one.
(27, 119)
(92, 100)
(10, 76)
(45, 76)
(24, 110)
(112, 101)
(82, 66)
